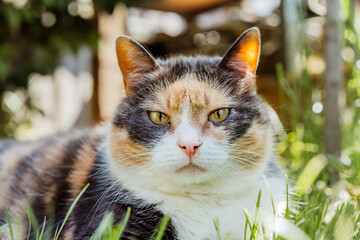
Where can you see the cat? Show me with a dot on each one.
(191, 139)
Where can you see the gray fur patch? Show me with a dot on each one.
(272, 169)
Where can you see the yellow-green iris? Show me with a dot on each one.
(159, 117)
(219, 115)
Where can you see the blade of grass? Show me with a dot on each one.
(162, 227)
(50, 224)
(271, 196)
(56, 230)
(228, 237)
(2, 229)
(42, 229)
(124, 223)
(70, 210)
(102, 229)
(325, 208)
(28, 235)
(287, 210)
(257, 206)
(32, 218)
(9, 222)
(255, 231)
(247, 223)
(216, 224)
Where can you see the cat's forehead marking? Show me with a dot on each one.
(189, 101)
(199, 94)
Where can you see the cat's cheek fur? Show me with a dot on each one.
(254, 148)
(123, 151)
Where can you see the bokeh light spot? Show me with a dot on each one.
(317, 107)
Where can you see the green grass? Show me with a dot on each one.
(106, 230)
(43, 232)
(314, 216)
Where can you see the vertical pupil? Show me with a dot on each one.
(160, 116)
(218, 113)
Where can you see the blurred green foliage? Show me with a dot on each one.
(328, 186)
(35, 33)
(305, 126)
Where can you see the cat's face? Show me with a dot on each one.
(191, 119)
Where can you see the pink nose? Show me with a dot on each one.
(189, 146)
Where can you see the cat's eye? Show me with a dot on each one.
(159, 117)
(219, 115)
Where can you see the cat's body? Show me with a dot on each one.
(192, 140)
(49, 187)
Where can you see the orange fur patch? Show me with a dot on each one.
(82, 167)
(124, 151)
(251, 149)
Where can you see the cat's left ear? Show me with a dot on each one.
(134, 60)
(244, 54)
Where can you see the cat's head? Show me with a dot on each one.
(191, 119)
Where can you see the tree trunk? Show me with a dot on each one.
(333, 78)
(291, 38)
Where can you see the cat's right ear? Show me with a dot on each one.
(134, 60)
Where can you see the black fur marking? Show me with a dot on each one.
(61, 199)
(136, 121)
(242, 116)
(144, 218)
(55, 178)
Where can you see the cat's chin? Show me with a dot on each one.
(191, 169)
(190, 174)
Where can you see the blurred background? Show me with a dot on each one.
(58, 67)
(58, 70)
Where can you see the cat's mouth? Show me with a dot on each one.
(193, 168)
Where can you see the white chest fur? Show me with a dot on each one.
(194, 215)
(195, 218)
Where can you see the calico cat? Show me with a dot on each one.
(192, 139)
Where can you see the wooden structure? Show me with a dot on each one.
(109, 81)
